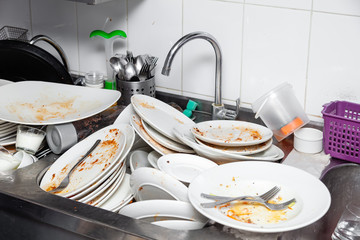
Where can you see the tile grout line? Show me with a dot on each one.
(30, 15)
(77, 35)
(242, 52)
(308, 58)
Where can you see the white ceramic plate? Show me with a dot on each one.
(46, 103)
(98, 164)
(165, 141)
(180, 224)
(153, 157)
(272, 154)
(105, 195)
(4, 82)
(159, 115)
(243, 150)
(102, 187)
(130, 136)
(8, 141)
(184, 167)
(249, 178)
(120, 196)
(150, 183)
(137, 159)
(231, 133)
(160, 210)
(139, 128)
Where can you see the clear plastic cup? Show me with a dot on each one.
(281, 111)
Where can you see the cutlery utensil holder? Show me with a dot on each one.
(129, 88)
(342, 130)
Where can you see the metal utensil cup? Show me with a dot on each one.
(130, 88)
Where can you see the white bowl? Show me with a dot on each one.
(308, 140)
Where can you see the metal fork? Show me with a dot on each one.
(65, 182)
(220, 200)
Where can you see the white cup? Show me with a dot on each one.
(24, 158)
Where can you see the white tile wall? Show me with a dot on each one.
(56, 19)
(108, 16)
(199, 55)
(313, 44)
(275, 51)
(154, 26)
(338, 6)
(15, 13)
(298, 4)
(334, 61)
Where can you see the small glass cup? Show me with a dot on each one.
(94, 79)
(29, 139)
(348, 226)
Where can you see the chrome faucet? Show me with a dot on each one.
(218, 109)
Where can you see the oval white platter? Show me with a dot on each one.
(165, 141)
(251, 178)
(98, 164)
(46, 103)
(184, 167)
(159, 115)
(231, 133)
(139, 128)
(150, 183)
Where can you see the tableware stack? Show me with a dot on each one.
(154, 122)
(225, 141)
(7, 133)
(101, 180)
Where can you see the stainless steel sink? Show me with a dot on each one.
(35, 214)
(343, 182)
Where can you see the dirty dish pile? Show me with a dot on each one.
(101, 175)
(227, 141)
(154, 121)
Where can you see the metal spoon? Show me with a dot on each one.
(130, 71)
(115, 64)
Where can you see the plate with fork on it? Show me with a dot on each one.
(254, 179)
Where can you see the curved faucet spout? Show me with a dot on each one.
(218, 71)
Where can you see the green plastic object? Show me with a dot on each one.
(191, 106)
(106, 35)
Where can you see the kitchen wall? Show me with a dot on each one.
(312, 44)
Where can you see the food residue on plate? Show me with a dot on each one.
(254, 213)
(42, 112)
(233, 134)
(146, 105)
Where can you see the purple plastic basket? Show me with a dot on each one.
(342, 130)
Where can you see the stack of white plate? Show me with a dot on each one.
(154, 122)
(102, 175)
(225, 140)
(7, 133)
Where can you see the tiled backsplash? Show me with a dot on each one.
(312, 44)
